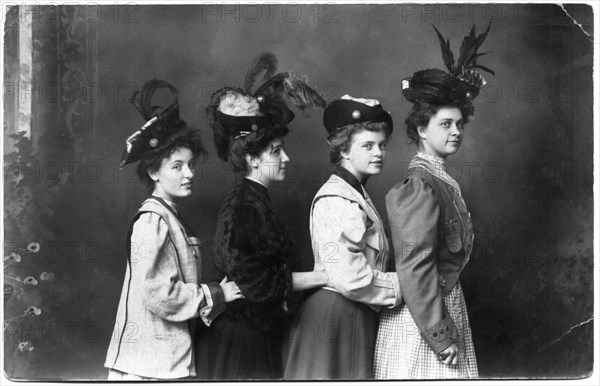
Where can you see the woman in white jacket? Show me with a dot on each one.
(334, 334)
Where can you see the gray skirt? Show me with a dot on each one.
(331, 338)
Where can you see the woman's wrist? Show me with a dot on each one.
(323, 278)
(307, 280)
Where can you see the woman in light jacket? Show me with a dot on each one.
(429, 335)
(334, 334)
(161, 297)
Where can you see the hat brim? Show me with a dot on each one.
(438, 90)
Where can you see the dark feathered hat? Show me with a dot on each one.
(235, 112)
(348, 110)
(161, 123)
(460, 85)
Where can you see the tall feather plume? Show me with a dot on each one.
(466, 65)
(142, 100)
(297, 90)
(265, 62)
(293, 88)
(468, 56)
(447, 54)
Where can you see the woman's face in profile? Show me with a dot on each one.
(366, 154)
(444, 133)
(272, 162)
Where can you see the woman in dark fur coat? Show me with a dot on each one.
(253, 249)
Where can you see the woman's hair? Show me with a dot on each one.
(233, 147)
(253, 144)
(421, 113)
(151, 161)
(341, 140)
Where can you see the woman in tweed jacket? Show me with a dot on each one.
(161, 298)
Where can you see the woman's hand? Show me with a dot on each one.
(230, 290)
(450, 355)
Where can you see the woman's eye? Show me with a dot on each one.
(460, 125)
(368, 146)
(382, 146)
(446, 124)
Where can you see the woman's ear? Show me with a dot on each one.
(422, 131)
(153, 175)
(252, 161)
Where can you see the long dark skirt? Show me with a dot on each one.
(229, 350)
(332, 338)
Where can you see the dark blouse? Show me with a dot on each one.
(254, 250)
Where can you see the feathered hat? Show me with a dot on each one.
(160, 124)
(234, 112)
(460, 85)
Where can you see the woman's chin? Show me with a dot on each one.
(375, 169)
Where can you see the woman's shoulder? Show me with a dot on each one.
(243, 200)
(416, 185)
(336, 211)
(242, 210)
(243, 193)
(149, 225)
(335, 187)
(335, 203)
(150, 212)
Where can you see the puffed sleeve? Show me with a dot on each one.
(256, 268)
(154, 259)
(338, 237)
(413, 212)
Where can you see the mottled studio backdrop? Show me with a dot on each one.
(525, 166)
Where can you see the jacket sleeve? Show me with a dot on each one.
(339, 244)
(215, 302)
(255, 266)
(153, 256)
(413, 212)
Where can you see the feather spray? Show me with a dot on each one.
(466, 65)
(264, 63)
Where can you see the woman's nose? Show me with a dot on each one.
(188, 171)
(284, 156)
